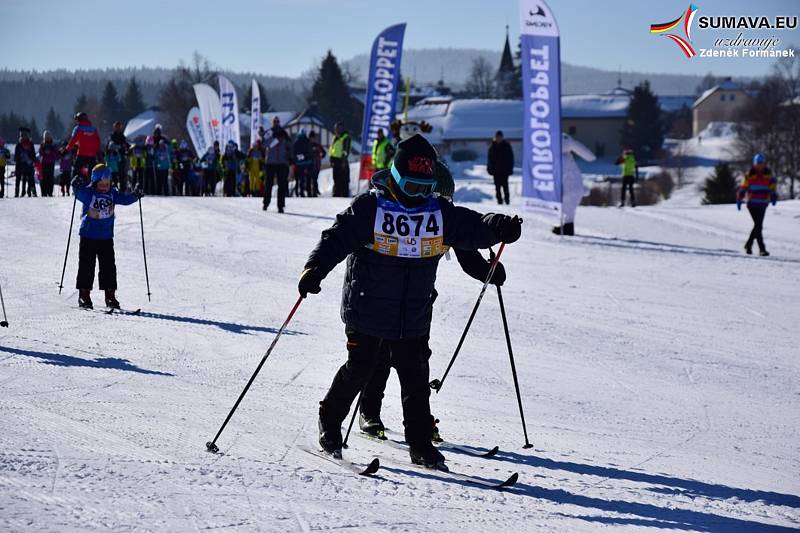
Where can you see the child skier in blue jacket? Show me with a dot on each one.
(97, 233)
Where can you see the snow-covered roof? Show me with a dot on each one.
(470, 119)
(607, 105)
(726, 85)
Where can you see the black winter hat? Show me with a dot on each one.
(416, 158)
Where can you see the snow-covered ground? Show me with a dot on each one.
(658, 367)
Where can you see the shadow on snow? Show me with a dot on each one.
(60, 359)
(227, 326)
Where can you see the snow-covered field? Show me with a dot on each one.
(658, 366)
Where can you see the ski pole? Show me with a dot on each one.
(211, 446)
(4, 323)
(352, 419)
(144, 252)
(69, 238)
(513, 366)
(436, 384)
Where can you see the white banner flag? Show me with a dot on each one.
(255, 113)
(210, 111)
(230, 112)
(197, 133)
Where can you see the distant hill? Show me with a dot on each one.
(426, 66)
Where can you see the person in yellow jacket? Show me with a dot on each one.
(382, 152)
(255, 168)
(338, 153)
(629, 174)
(136, 160)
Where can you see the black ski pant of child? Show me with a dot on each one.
(501, 187)
(103, 251)
(300, 180)
(408, 358)
(372, 395)
(48, 179)
(271, 173)
(24, 178)
(627, 184)
(757, 212)
(229, 185)
(162, 174)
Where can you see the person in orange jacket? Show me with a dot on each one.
(759, 189)
(86, 138)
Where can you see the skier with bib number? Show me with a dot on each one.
(97, 233)
(393, 238)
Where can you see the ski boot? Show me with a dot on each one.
(436, 437)
(84, 299)
(763, 253)
(111, 300)
(428, 456)
(372, 426)
(748, 249)
(330, 438)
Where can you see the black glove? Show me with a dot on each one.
(309, 282)
(77, 182)
(499, 274)
(508, 228)
(138, 192)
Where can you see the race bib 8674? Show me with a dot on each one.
(399, 232)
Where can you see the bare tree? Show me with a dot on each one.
(787, 71)
(481, 78)
(177, 97)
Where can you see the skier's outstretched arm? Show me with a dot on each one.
(466, 229)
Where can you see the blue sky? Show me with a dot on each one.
(287, 37)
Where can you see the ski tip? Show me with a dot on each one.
(492, 452)
(211, 447)
(372, 467)
(511, 481)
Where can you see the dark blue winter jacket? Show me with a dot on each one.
(97, 215)
(392, 254)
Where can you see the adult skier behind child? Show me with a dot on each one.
(473, 264)
(97, 233)
(393, 239)
(573, 186)
(86, 138)
(759, 188)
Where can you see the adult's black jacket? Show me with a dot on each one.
(500, 161)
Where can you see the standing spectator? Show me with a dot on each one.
(5, 155)
(573, 189)
(118, 138)
(86, 138)
(629, 174)
(231, 160)
(759, 188)
(382, 152)
(182, 176)
(65, 169)
(24, 159)
(277, 165)
(157, 135)
(163, 162)
(113, 158)
(48, 155)
(317, 154)
(500, 165)
(339, 152)
(149, 165)
(211, 169)
(303, 161)
(255, 167)
(136, 161)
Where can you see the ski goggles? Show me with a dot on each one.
(413, 186)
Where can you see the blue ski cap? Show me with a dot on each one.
(759, 159)
(100, 172)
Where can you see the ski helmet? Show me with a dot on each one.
(759, 159)
(100, 172)
(80, 115)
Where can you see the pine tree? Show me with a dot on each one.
(332, 96)
(53, 124)
(80, 104)
(643, 130)
(110, 109)
(132, 101)
(720, 187)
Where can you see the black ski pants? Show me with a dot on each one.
(271, 173)
(2, 181)
(364, 354)
(627, 184)
(103, 251)
(341, 176)
(757, 212)
(26, 179)
(501, 187)
(48, 179)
